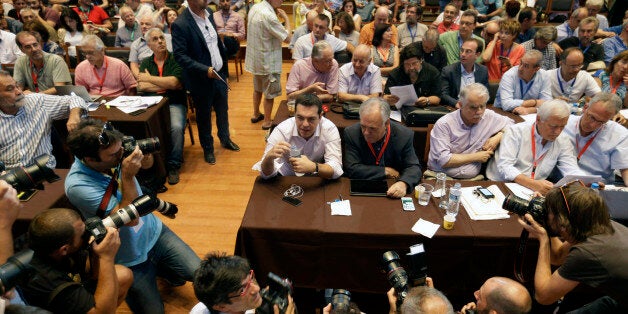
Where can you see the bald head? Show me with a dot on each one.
(381, 15)
(309, 18)
(361, 59)
(489, 31)
(505, 295)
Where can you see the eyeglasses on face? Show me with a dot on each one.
(245, 288)
(103, 138)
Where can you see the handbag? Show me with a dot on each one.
(350, 110)
(421, 117)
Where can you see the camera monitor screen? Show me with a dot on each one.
(369, 187)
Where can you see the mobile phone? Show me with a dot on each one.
(25, 196)
(485, 193)
(407, 203)
(291, 200)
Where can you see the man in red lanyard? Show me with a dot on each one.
(160, 74)
(529, 151)
(38, 71)
(378, 149)
(601, 145)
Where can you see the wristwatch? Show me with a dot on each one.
(315, 169)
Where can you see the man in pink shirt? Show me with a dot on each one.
(317, 74)
(102, 75)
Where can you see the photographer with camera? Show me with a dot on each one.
(149, 248)
(70, 275)
(227, 284)
(422, 299)
(593, 249)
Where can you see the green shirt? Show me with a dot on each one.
(55, 70)
(171, 68)
(451, 44)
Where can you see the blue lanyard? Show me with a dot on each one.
(621, 42)
(460, 41)
(415, 31)
(561, 83)
(501, 53)
(525, 91)
(584, 50)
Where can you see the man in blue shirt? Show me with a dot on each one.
(613, 46)
(148, 247)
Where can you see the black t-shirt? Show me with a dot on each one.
(593, 53)
(428, 83)
(601, 262)
(48, 275)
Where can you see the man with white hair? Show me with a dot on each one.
(139, 47)
(594, 7)
(568, 28)
(360, 79)
(463, 140)
(601, 145)
(103, 75)
(529, 151)
(524, 87)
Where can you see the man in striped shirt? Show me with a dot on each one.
(25, 122)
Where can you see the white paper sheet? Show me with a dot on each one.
(425, 228)
(585, 179)
(407, 95)
(480, 208)
(520, 190)
(624, 112)
(341, 208)
(529, 117)
(395, 115)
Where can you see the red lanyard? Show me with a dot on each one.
(34, 76)
(101, 81)
(586, 146)
(378, 157)
(535, 160)
(614, 88)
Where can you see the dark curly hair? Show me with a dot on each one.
(379, 34)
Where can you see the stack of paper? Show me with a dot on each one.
(128, 104)
(480, 208)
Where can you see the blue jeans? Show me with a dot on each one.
(178, 118)
(171, 258)
(204, 102)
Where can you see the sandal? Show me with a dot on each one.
(267, 126)
(259, 118)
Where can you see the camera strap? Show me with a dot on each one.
(111, 188)
(520, 256)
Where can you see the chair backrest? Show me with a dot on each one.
(426, 152)
(492, 92)
(564, 6)
(121, 53)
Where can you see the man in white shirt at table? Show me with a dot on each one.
(313, 135)
(569, 81)
(360, 79)
(601, 145)
(529, 151)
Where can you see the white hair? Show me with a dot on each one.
(554, 107)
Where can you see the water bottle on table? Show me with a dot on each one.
(454, 200)
(440, 190)
(296, 152)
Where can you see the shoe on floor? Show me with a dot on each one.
(230, 145)
(258, 118)
(267, 126)
(173, 176)
(210, 158)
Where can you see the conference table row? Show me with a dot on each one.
(420, 133)
(318, 250)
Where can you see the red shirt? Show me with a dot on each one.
(95, 14)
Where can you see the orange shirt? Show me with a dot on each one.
(495, 69)
(368, 31)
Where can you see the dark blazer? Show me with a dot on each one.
(450, 82)
(359, 162)
(191, 53)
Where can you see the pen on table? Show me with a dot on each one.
(340, 197)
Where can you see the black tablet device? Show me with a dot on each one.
(368, 187)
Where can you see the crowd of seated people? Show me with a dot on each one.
(471, 53)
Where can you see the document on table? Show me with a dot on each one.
(531, 117)
(585, 179)
(425, 228)
(407, 95)
(396, 115)
(520, 190)
(480, 208)
(624, 112)
(129, 104)
(341, 208)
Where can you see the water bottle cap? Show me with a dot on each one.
(595, 186)
(457, 185)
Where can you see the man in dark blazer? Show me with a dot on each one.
(378, 149)
(202, 55)
(452, 77)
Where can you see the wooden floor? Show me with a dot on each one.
(212, 198)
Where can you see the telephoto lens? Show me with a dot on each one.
(147, 145)
(520, 206)
(31, 176)
(16, 267)
(276, 294)
(341, 301)
(397, 275)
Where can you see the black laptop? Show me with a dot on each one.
(368, 187)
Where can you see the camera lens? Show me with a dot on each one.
(520, 206)
(30, 176)
(340, 300)
(149, 145)
(15, 268)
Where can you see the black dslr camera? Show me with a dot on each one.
(30, 176)
(520, 206)
(16, 268)
(141, 206)
(276, 293)
(403, 280)
(147, 145)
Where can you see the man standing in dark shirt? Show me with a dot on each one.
(160, 74)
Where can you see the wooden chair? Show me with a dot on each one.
(190, 113)
(80, 56)
(237, 60)
(426, 152)
(121, 53)
(560, 6)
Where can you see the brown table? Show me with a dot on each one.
(420, 133)
(154, 122)
(317, 250)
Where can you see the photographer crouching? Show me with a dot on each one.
(100, 182)
(70, 275)
(227, 284)
(593, 249)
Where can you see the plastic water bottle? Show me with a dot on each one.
(595, 187)
(440, 189)
(454, 200)
(575, 109)
(296, 152)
